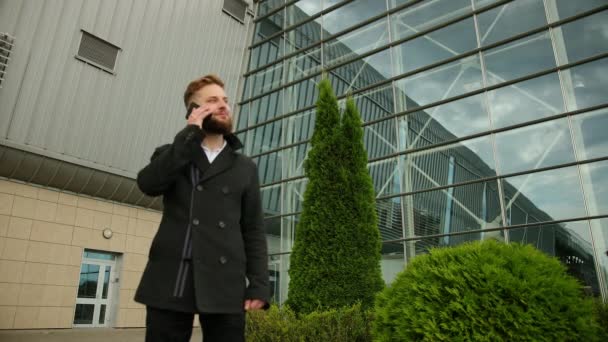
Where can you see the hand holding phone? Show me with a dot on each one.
(197, 114)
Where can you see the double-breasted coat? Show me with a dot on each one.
(209, 254)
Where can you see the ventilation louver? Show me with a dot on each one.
(97, 52)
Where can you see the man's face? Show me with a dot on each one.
(214, 97)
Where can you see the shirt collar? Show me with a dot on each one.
(217, 150)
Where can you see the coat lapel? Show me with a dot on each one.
(221, 163)
(200, 160)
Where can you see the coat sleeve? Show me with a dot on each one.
(254, 237)
(167, 162)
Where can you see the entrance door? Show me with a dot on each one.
(95, 288)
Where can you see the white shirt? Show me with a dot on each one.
(211, 154)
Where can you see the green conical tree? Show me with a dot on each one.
(334, 261)
(363, 242)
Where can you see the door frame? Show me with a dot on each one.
(98, 301)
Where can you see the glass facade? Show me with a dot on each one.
(482, 120)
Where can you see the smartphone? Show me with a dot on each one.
(191, 108)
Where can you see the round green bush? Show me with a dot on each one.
(488, 291)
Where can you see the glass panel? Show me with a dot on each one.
(266, 53)
(422, 246)
(589, 130)
(380, 139)
(439, 83)
(302, 10)
(99, 255)
(595, 183)
(375, 103)
(269, 26)
(266, 108)
(532, 147)
(425, 15)
(271, 197)
(446, 165)
(102, 314)
(361, 73)
(303, 64)
(273, 227)
(106, 282)
(266, 137)
(294, 196)
(352, 13)
(569, 242)
(526, 101)
(301, 95)
(390, 220)
(243, 117)
(589, 84)
(599, 230)
(84, 314)
(299, 127)
(303, 36)
(247, 87)
(456, 209)
(329, 3)
(393, 261)
(266, 80)
(435, 46)
(543, 196)
(269, 167)
(569, 8)
(447, 122)
(510, 20)
(504, 63)
(288, 234)
(274, 273)
(385, 176)
(243, 137)
(585, 37)
(482, 3)
(89, 276)
(296, 156)
(268, 5)
(355, 43)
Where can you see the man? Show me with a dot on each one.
(209, 255)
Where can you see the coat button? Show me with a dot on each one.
(195, 222)
(199, 187)
(223, 260)
(225, 190)
(221, 224)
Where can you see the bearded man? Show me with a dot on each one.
(209, 256)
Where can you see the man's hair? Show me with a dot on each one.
(199, 83)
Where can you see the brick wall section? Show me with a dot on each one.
(42, 236)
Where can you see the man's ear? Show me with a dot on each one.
(191, 108)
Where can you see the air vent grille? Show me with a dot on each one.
(236, 9)
(97, 52)
(6, 46)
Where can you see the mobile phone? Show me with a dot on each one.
(191, 108)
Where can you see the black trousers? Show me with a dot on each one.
(172, 326)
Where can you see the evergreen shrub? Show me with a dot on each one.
(484, 291)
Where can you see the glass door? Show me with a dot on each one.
(93, 302)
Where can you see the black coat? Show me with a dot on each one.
(211, 243)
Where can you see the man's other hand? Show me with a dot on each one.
(254, 304)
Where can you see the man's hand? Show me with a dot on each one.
(254, 304)
(199, 114)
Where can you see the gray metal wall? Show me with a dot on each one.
(57, 106)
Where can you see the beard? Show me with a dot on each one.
(214, 126)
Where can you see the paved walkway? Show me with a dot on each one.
(82, 335)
